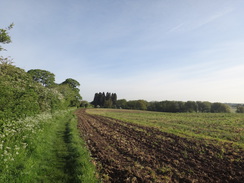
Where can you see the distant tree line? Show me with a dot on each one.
(174, 106)
(107, 101)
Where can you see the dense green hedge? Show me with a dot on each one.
(18, 96)
(21, 96)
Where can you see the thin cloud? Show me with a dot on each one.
(176, 28)
(212, 18)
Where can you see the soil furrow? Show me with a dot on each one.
(126, 152)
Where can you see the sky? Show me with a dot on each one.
(154, 50)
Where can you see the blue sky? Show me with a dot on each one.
(140, 49)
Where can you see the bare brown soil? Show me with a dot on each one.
(125, 152)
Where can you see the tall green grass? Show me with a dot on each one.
(44, 148)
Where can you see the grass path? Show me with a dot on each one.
(46, 149)
(69, 160)
(62, 156)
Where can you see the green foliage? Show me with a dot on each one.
(22, 96)
(122, 103)
(17, 91)
(45, 148)
(71, 95)
(101, 100)
(71, 82)
(4, 36)
(189, 106)
(240, 109)
(204, 106)
(44, 77)
(85, 104)
(49, 99)
(137, 104)
(220, 108)
(69, 88)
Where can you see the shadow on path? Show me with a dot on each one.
(66, 155)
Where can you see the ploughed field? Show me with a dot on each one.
(130, 152)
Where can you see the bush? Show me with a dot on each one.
(220, 108)
(240, 109)
(21, 96)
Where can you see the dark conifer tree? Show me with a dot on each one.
(114, 98)
(102, 100)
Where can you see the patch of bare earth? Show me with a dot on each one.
(125, 152)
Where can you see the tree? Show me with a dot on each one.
(122, 103)
(114, 99)
(71, 86)
(108, 103)
(71, 95)
(71, 82)
(102, 100)
(4, 36)
(191, 106)
(220, 108)
(240, 109)
(44, 77)
(137, 104)
(84, 104)
(203, 106)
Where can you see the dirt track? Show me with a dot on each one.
(125, 152)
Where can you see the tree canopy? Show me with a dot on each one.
(240, 109)
(108, 101)
(44, 77)
(71, 82)
(4, 36)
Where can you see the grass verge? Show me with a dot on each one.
(47, 148)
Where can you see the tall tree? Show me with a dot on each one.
(44, 77)
(71, 82)
(108, 96)
(71, 86)
(102, 100)
(114, 98)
